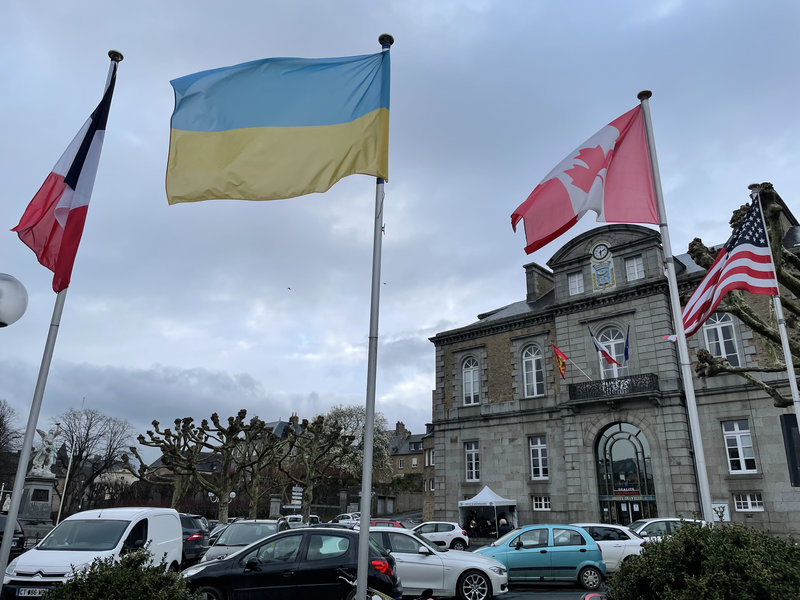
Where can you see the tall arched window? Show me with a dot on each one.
(533, 371)
(720, 338)
(613, 339)
(470, 381)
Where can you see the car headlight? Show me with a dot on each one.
(499, 570)
(194, 570)
(12, 566)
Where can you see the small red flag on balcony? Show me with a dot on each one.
(561, 361)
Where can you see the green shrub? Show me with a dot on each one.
(129, 578)
(723, 562)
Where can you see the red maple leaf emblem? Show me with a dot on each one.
(583, 177)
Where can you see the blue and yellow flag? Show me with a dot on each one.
(278, 127)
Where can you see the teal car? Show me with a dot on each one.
(549, 553)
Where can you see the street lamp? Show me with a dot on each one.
(13, 300)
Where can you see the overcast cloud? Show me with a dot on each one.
(186, 310)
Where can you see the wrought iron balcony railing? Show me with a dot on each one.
(612, 389)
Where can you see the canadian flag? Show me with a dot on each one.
(609, 174)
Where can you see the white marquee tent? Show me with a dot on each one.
(487, 501)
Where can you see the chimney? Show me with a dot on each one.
(538, 280)
(294, 420)
(400, 429)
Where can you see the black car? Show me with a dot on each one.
(18, 545)
(195, 538)
(297, 563)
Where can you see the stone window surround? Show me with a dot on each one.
(518, 345)
(479, 353)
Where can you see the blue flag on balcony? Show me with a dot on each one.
(627, 335)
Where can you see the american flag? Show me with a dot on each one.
(743, 263)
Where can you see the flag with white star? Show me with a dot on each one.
(743, 263)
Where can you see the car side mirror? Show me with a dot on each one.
(519, 545)
(251, 565)
(424, 550)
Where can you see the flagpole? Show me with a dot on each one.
(704, 490)
(579, 369)
(776, 300)
(386, 41)
(36, 403)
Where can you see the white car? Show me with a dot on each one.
(347, 519)
(616, 542)
(445, 534)
(655, 529)
(421, 564)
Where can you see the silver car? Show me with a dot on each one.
(243, 533)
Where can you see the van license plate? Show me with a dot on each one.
(32, 592)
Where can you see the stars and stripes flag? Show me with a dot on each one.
(743, 263)
(52, 224)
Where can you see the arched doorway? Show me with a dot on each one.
(624, 475)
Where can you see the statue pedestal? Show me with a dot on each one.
(36, 506)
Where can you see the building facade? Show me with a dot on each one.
(609, 441)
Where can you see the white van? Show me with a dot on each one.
(85, 536)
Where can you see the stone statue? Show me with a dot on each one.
(45, 456)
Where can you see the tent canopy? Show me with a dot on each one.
(487, 497)
(486, 504)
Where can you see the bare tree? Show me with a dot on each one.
(756, 311)
(218, 443)
(313, 452)
(10, 434)
(95, 442)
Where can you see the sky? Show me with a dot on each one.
(205, 307)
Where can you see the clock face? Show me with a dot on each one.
(600, 251)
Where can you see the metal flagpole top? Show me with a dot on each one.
(644, 94)
(115, 55)
(385, 40)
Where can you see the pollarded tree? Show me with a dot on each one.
(216, 442)
(314, 450)
(756, 311)
(257, 455)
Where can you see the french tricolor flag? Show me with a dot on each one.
(602, 350)
(53, 222)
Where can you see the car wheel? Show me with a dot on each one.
(458, 544)
(474, 585)
(590, 578)
(351, 595)
(210, 593)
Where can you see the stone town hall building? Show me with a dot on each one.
(607, 443)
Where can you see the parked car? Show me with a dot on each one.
(549, 553)
(421, 564)
(655, 529)
(382, 523)
(18, 545)
(81, 538)
(445, 534)
(195, 538)
(297, 521)
(243, 533)
(303, 563)
(347, 519)
(617, 542)
(213, 536)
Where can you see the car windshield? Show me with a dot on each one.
(243, 534)
(636, 525)
(81, 534)
(505, 538)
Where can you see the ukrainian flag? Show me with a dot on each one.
(278, 127)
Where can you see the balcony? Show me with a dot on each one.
(613, 391)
